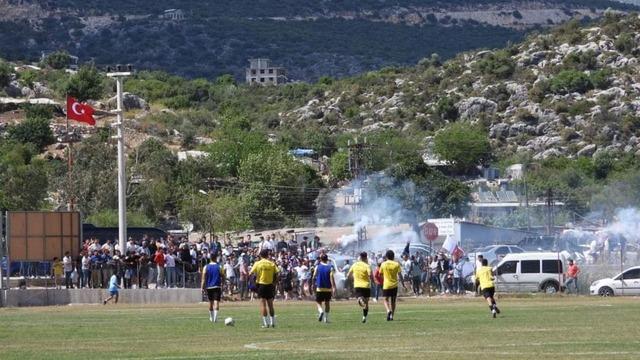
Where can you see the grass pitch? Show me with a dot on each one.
(529, 328)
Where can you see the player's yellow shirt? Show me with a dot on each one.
(390, 270)
(265, 271)
(361, 275)
(485, 277)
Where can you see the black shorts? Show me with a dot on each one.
(392, 293)
(488, 292)
(214, 294)
(363, 292)
(323, 296)
(266, 291)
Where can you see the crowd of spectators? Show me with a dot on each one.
(175, 262)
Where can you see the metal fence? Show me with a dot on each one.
(40, 274)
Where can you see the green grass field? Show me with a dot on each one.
(529, 328)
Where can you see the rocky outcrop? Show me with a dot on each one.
(129, 101)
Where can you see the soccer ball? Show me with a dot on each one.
(229, 321)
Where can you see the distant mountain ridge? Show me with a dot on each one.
(309, 38)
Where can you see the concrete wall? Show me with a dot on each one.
(47, 297)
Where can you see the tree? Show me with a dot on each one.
(109, 218)
(462, 145)
(5, 73)
(85, 84)
(57, 60)
(215, 211)
(339, 166)
(34, 130)
(23, 178)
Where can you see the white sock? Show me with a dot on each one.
(320, 309)
(211, 316)
(273, 320)
(215, 315)
(326, 317)
(264, 321)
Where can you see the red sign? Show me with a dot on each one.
(430, 231)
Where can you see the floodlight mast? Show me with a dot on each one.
(119, 75)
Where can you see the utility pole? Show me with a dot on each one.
(549, 211)
(358, 162)
(120, 73)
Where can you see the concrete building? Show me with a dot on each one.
(173, 14)
(261, 72)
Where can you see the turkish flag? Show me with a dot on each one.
(79, 111)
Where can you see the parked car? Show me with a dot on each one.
(553, 243)
(530, 272)
(495, 253)
(625, 283)
(414, 248)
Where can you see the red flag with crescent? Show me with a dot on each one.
(79, 112)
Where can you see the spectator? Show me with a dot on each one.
(572, 277)
(230, 272)
(67, 264)
(85, 266)
(415, 273)
(243, 270)
(57, 272)
(458, 277)
(158, 259)
(170, 269)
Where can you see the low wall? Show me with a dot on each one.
(47, 297)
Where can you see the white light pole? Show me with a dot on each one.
(119, 75)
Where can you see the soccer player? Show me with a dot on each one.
(361, 273)
(266, 272)
(113, 290)
(487, 286)
(325, 287)
(390, 269)
(212, 280)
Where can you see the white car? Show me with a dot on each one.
(625, 283)
(530, 272)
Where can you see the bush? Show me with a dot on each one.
(625, 43)
(85, 84)
(446, 109)
(601, 79)
(34, 130)
(5, 73)
(58, 60)
(498, 64)
(569, 81)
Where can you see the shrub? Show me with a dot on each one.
(569, 81)
(499, 64)
(625, 43)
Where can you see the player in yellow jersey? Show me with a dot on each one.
(266, 271)
(487, 286)
(390, 269)
(361, 274)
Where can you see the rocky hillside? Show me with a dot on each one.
(571, 92)
(309, 38)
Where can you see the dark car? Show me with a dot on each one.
(111, 233)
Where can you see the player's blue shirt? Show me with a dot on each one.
(213, 278)
(113, 283)
(323, 276)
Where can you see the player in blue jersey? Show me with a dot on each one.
(325, 287)
(212, 280)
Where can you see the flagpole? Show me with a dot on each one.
(70, 206)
